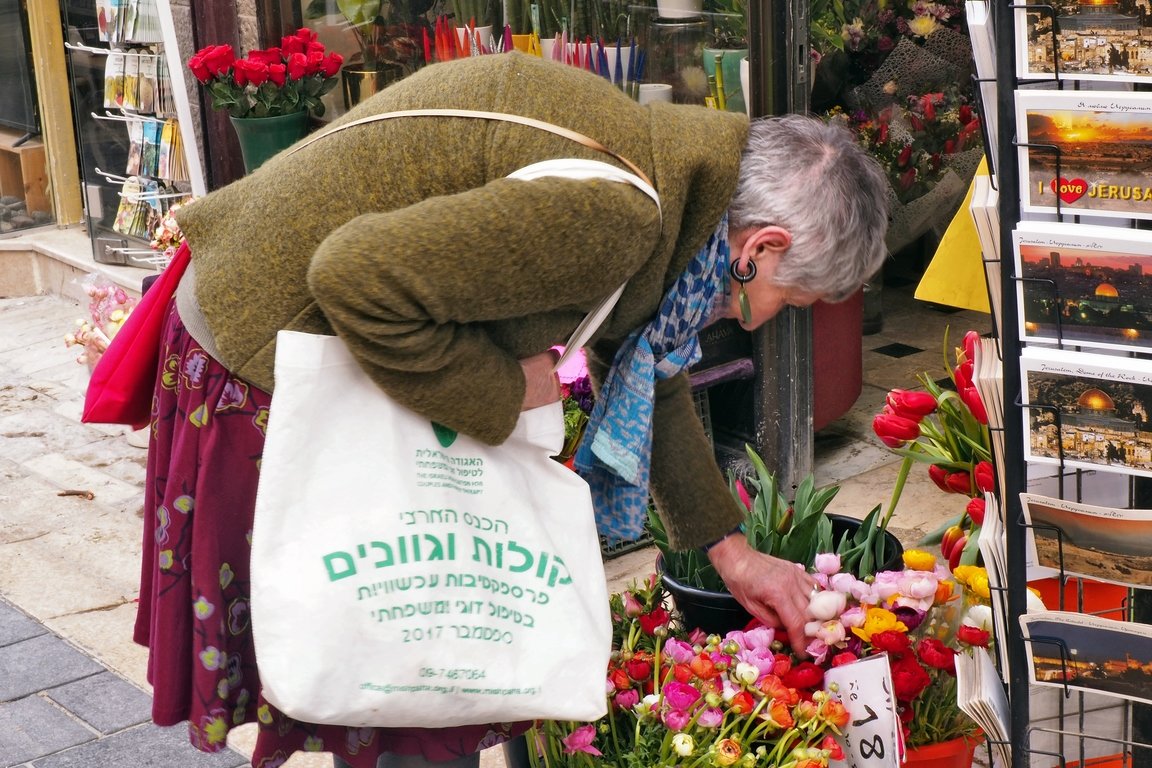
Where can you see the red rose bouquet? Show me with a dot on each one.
(948, 430)
(916, 617)
(682, 698)
(271, 81)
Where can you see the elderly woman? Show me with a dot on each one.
(449, 282)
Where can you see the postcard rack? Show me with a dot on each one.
(1067, 710)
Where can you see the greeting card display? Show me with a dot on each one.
(1100, 543)
(1084, 285)
(1074, 650)
(1087, 410)
(1089, 150)
(1094, 41)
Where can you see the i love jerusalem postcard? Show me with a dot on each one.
(1085, 152)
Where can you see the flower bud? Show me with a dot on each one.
(975, 510)
(895, 430)
(985, 476)
(911, 405)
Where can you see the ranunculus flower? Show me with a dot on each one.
(826, 605)
(728, 751)
(658, 617)
(804, 676)
(627, 699)
(909, 679)
(911, 405)
(891, 641)
(580, 740)
(919, 560)
(827, 563)
(842, 658)
(683, 745)
(974, 636)
(639, 669)
(742, 703)
(680, 695)
(935, 654)
(980, 617)
(878, 620)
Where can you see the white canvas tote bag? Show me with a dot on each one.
(407, 575)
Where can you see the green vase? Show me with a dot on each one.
(262, 137)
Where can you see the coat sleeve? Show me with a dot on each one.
(411, 291)
(690, 492)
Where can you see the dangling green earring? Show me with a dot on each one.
(743, 278)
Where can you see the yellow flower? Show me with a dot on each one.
(878, 620)
(923, 26)
(727, 752)
(919, 560)
(215, 730)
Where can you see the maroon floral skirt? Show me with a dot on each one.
(207, 436)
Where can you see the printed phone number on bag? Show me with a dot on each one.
(457, 673)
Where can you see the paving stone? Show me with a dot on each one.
(41, 662)
(144, 746)
(33, 727)
(16, 626)
(107, 702)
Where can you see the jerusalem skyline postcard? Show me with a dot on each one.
(1094, 40)
(1087, 410)
(1084, 285)
(1085, 152)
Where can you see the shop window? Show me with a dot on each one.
(24, 200)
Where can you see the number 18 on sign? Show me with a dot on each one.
(873, 738)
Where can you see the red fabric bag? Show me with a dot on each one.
(120, 390)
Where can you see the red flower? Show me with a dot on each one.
(909, 679)
(904, 156)
(895, 430)
(218, 59)
(742, 703)
(939, 475)
(911, 405)
(332, 64)
(970, 635)
(278, 74)
(957, 552)
(959, 482)
(962, 375)
(292, 44)
(842, 658)
(891, 641)
(639, 669)
(297, 66)
(703, 667)
(620, 679)
(985, 476)
(682, 673)
(937, 655)
(929, 109)
(804, 676)
(199, 68)
(253, 72)
(970, 396)
(658, 617)
(266, 56)
(315, 61)
(975, 510)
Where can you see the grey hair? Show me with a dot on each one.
(813, 179)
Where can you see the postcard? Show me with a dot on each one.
(1101, 543)
(1076, 650)
(1087, 410)
(1085, 152)
(1084, 285)
(1094, 41)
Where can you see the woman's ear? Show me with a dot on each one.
(770, 240)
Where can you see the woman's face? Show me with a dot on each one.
(763, 247)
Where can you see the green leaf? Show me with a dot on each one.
(936, 536)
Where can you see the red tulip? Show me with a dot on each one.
(985, 476)
(939, 476)
(929, 109)
(957, 551)
(971, 341)
(895, 430)
(962, 375)
(959, 482)
(975, 510)
(911, 405)
(904, 156)
(952, 535)
(970, 396)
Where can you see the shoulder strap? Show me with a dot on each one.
(501, 116)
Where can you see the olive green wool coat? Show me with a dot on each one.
(405, 238)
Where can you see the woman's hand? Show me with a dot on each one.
(542, 385)
(773, 590)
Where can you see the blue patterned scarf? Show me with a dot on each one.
(615, 453)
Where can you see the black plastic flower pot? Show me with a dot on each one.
(843, 525)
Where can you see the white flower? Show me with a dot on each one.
(747, 673)
(683, 745)
(827, 605)
(979, 616)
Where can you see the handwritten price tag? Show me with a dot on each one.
(873, 738)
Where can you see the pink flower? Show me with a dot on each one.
(711, 717)
(827, 605)
(679, 651)
(580, 740)
(632, 606)
(827, 563)
(680, 696)
(676, 719)
(627, 699)
(742, 492)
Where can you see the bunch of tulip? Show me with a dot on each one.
(948, 430)
(678, 698)
(108, 308)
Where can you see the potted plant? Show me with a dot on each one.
(726, 48)
(795, 530)
(388, 34)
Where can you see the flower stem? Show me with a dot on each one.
(897, 490)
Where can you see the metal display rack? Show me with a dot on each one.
(1062, 730)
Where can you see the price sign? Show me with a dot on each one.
(873, 738)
